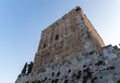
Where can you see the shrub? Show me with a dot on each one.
(24, 69)
(30, 67)
(33, 81)
(118, 81)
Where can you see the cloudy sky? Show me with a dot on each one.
(21, 23)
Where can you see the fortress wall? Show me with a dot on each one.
(65, 39)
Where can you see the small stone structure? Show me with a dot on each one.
(71, 51)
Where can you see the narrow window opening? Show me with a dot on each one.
(57, 37)
(53, 74)
(44, 45)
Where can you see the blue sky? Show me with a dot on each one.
(21, 23)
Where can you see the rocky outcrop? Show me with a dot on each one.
(91, 67)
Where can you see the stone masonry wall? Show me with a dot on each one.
(71, 51)
(89, 67)
(65, 39)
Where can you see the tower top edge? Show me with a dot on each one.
(74, 10)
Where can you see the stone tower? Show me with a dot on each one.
(65, 39)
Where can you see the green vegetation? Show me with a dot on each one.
(118, 81)
(30, 67)
(33, 81)
(24, 69)
(27, 68)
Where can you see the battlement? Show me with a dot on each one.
(68, 37)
